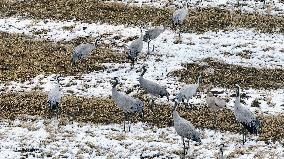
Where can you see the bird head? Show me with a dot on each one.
(175, 104)
(199, 79)
(164, 92)
(237, 90)
(196, 137)
(114, 82)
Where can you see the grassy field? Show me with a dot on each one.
(199, 20)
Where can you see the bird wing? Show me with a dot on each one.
(150, 87)
(219, 102)
(83, 50)
(244, 115)
(184, 128)
(179, 15)
(54, 94)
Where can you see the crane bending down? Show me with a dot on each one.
(129, 105)
(53, 99)
(188, 91)
(82, 51)
(152, 88)
(184, 128)
(215, 103)
(135, 48)
(152, 34)
(245, 117)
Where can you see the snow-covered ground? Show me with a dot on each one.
(46, 138)
(271, 7)
(266, 51)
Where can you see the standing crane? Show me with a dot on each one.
(152, 34)
(184, 128)
(129, 105)
(135, 48)
(188, 91)
(154, 89)
(245, 117)
(178, 17)
(53, 98)
(82, 51)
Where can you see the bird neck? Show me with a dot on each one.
(198, 80)
(175, 115)
(143, 72)
(115, 83)
(238, 98)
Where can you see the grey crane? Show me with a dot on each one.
(129, 105)
(152, 88)
(82, 51)
(53, 98)
(215, 103)
(184, 128)
(245, 117)
(188, 91)
(152, 34)
(135, 48)
(179, 16)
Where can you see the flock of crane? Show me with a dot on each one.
(130, 105)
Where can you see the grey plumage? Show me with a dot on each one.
(152, 88)
(152, 34)
(215, 103)
(184, 128)
(245, 116)
(53, 99)
(135, 48)
(188, 91)
(82, 51)
(126, 103)
(179, 16)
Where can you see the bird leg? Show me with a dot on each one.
(142, 116)
(152, 105)
(183, 147)
(148, 47)
(215, 120)
(125, 118)
(129, 122)
(244, 136)
(153, 48)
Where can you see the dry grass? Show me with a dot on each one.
(22, 58)
(115, 13)
(226, 75)
(97, 110)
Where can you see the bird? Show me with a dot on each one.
(179, 16)
(135, 48)
(245, 117)
(152, 88)
(82, 51)
(215, 103)
(53, 98)
(152, 34)
(188, 91)
(184, 128)
(128, 104)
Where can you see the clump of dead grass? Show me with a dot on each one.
(98, 110)
(199, 20)
(22, 58)
(226, 75)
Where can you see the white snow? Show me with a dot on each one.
(167, 57)
(88, 140)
